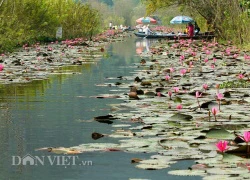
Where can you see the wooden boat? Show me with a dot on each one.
(174, 36)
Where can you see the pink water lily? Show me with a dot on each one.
(214, 111)
(171, 69)
(220, 96)
(205, 86)
(222, 146)
(198, 95)
(170, 94)
(206, 60)
(208, 52)
(1, 67)
(183, 72)
(167, 77)
(176, 89)
(240, 76)
(246, 137)
(179, 107)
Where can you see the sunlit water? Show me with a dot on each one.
(58, 112)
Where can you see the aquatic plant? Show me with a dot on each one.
(170, 94)
(179, 107)
(246, 137)
(222, 146)
(198, 95)
(205, 87)
(214, 111)
(219, 98)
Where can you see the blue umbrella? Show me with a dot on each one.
(181, 20)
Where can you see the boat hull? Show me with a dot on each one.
(173, 36)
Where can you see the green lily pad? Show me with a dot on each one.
(181, 117)
(219, 134)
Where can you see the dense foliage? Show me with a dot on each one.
(229, 19)
(28, 21)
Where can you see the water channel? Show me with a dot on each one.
(59, 111)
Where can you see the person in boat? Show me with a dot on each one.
(186, 30)
(190, 29)
(148, 31)
(197, 29)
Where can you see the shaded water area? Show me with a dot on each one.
(59, 112)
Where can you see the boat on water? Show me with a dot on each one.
(174, 36)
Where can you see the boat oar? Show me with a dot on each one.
(96, 135)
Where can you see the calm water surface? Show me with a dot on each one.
(56, 113)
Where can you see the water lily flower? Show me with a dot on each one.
(219, 96)
(222, 146)
(205, 86)
(167, 77)
(182, 57)
(171, 69)
(191, 64)
(214, 112)
(179, 107)
(246, 137)
(235, 56)
(170, 94)
(246, 57)
(183, 72)
(197, 95)
(240, 76)
(176, 89)
(206, 60)
(1, 67)
(208, 52)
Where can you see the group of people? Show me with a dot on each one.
(192, 30)
(120, 27)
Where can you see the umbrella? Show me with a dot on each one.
(181, 20)
(146, 20)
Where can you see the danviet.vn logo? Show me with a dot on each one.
(49, 160)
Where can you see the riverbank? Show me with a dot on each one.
(38, 61)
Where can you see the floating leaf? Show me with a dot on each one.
(181, 117)
(219, 134)
(187, 172)
(229, 171)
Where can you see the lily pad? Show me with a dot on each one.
(188, 172)
(181, 117)
(219, 134)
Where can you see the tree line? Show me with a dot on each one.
(230, 19)
(29, 21)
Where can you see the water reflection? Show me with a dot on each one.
(143, 45)
(57, 112)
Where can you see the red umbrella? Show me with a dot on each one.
(146, 20)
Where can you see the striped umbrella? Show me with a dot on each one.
(146, 20)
